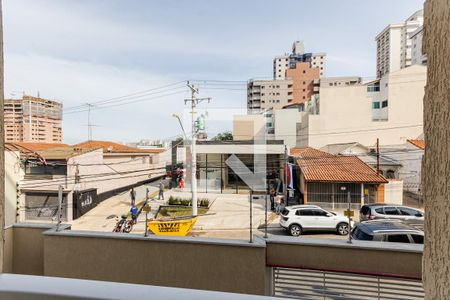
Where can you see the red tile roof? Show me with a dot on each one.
(309, 152)
(112, 147)
(33, 147)
(418, 143)
(319, 166)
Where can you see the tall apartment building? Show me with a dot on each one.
(394, 44)
(296, 78)
(305, 79)
(417, 55)
(267, 94)
(33, 119)
(284, 62)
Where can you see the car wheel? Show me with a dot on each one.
(342, 228)
(295, 230)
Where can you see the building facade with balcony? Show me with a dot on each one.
(33, 119)
(282, 63)
(394, 44)
(268, 94)
(417, 55)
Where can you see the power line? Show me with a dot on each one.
(124, 96)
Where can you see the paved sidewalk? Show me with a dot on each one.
(102, 217)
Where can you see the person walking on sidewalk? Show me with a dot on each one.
(134, 213)
(161, 190)
(133, 196)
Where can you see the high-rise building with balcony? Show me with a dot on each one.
(394, 44)
(282, 63)
(268, 94)
(33, 119)
(296, 78)
(417, 55)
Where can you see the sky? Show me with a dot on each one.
(88, 51)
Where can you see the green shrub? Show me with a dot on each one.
(187, 202)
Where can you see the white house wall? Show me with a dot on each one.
(346, 112)
(13, 174)
(104, 172)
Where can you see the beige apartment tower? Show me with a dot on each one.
(268, 94)
(33, 119)
(395, 43)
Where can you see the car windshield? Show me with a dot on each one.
(285, 212)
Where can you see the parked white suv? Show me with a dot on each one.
(299, 218)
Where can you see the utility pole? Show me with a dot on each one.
(89, 121)
(378, 156)
(194, 102)
(60, 199)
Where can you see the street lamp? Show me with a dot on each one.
(181, 124)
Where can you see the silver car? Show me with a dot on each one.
(396, 231)
(389, 211)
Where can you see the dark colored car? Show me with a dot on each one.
(396, 231)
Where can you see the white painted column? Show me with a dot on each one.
(362, 194)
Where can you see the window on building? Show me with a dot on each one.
(390, 174)
(304, 90)
(304, 97)
(384, 104)
(304, 72)
(376, 105)
(304, 82)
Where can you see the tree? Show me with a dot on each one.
(2, 149)
(223, 137)
(436, 167)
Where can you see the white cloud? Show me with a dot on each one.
(75, 83)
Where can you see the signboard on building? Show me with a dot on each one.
(84, 201)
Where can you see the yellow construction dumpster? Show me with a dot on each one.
(176, 227)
